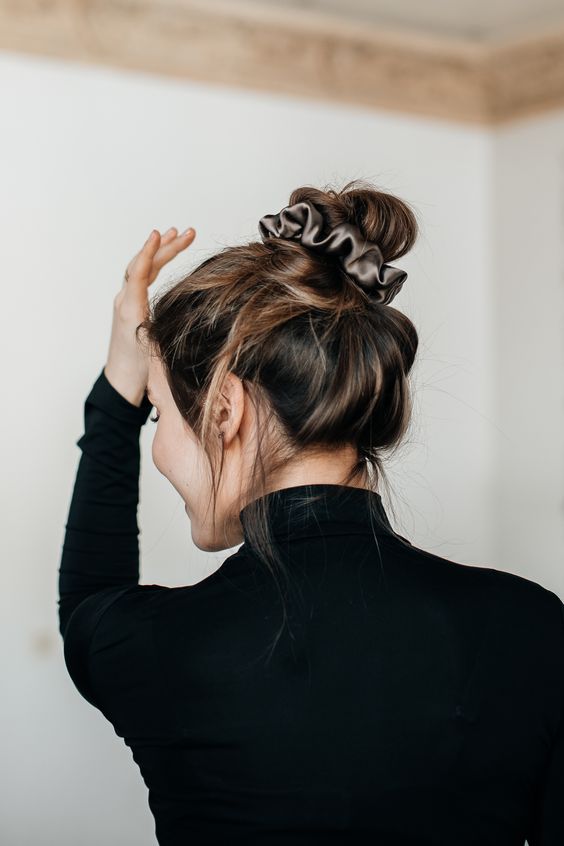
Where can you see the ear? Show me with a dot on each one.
(231, 407)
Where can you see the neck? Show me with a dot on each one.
(329, 468)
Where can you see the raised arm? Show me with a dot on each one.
(100, 547)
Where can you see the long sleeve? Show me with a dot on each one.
(100, 551)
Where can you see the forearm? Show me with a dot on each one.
(101, 543)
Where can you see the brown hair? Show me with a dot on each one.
(326, 365)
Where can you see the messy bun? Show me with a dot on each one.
(324, 365)
(381, 217)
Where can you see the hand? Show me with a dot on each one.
(127, 367)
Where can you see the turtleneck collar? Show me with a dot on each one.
(318, 509)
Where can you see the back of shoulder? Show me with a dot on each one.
(516, 603)
(530, 610)
(529, 594)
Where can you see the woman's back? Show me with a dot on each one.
(408, 700)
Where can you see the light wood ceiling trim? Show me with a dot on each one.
(525, 77)
(304, 54)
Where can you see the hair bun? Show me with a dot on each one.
(360, 258)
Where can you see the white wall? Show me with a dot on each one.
(92, 159)
(527, 302)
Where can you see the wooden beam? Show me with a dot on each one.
(299, 53)
(525, 77)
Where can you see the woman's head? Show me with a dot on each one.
(275, 346)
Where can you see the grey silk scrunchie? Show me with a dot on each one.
(361, 259)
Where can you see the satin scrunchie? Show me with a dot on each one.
(361, 259)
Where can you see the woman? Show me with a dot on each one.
(330, 682)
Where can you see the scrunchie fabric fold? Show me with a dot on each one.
(360, 258)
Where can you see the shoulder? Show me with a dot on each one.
(511, 599)
(526, 594)
(525, 615)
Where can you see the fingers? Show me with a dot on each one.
(169, 235)
(170, 247)
(172, 235)
(143, 261)
(152, 243)
(155, 253)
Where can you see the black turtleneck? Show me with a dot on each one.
(409, 699)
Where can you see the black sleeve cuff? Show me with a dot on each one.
(103, 395)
